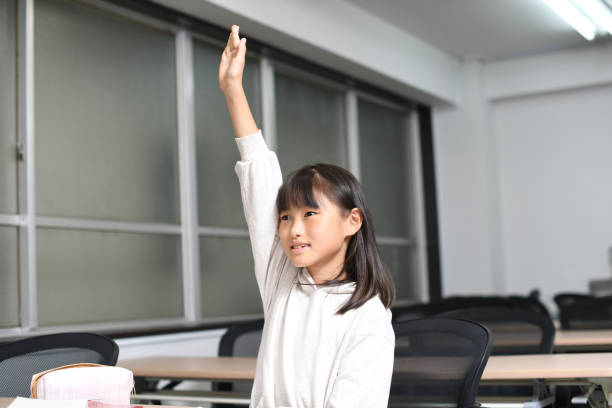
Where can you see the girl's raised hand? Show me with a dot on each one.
(232, 62)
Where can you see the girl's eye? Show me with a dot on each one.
(284, 217)
(309, 213)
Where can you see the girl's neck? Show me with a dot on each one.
(323, 275)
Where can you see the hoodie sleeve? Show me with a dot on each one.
(260, 178)
(366, 365)
(364, 377)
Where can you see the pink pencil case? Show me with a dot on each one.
(112, 385)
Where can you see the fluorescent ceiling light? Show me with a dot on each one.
(573, 17)
(598, 12)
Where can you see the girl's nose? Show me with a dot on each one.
(296, 229)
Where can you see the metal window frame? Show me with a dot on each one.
(28, 222)
(12, 220)
(383, 102)
(306, 76)
(26, 170)
(351, 117)
(418, 204)
(130, 15)
(344, 143)
(106, 226)
(187, 175)
(415, 241)
(268, 101)
(221, 44)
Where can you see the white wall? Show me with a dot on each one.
(524, 166)
(204, 343)
(465, 174)
(555, 167)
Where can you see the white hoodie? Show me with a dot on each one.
(309, 356)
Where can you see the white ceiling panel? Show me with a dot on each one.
(479, 29)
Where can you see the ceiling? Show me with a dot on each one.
(480, 29)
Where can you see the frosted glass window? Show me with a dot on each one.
(384, 154)
(86, 276)
(228, 280)
(106, 127)
(309, 123)
(401, 261)
(8, 161)
(219, 201)
(9, 278)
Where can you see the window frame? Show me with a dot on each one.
(416, 240)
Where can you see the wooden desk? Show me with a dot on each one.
(193, 368)
(583, 369)
(5, 402)
(549, 366)
(522, 367)
(583, 340)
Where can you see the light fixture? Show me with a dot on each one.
(598, 12)
(573, 17)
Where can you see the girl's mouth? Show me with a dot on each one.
(298, 249)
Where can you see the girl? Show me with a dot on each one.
(327, 339)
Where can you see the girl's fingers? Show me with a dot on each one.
(242, 49)
(235, 39)
(232, 40)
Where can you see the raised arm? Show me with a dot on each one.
(258, 169)
(230, 81)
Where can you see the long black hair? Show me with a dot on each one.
(362, 263)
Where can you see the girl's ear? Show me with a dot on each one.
(353, 222)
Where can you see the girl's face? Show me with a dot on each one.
(317, 238)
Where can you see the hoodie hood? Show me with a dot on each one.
(309, 286)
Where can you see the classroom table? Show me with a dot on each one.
(5, 402)
(565, 340)
(193, 368)
(583, 340)
(591, 371)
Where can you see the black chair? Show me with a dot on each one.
(585, 313)
(21, 359)
(534, 294)
(569, 298)
(530, 302)
(438, 362)
(241, 340)
(421, 310)
(566, 299)
(515, 331)
(580, 311)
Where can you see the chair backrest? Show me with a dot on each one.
(566, 299)
(593, 313)
(21, 359)
(601, 287)
(240, 340)
(438, 362)
(448, 304)
(515, 331)
(513, 302)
